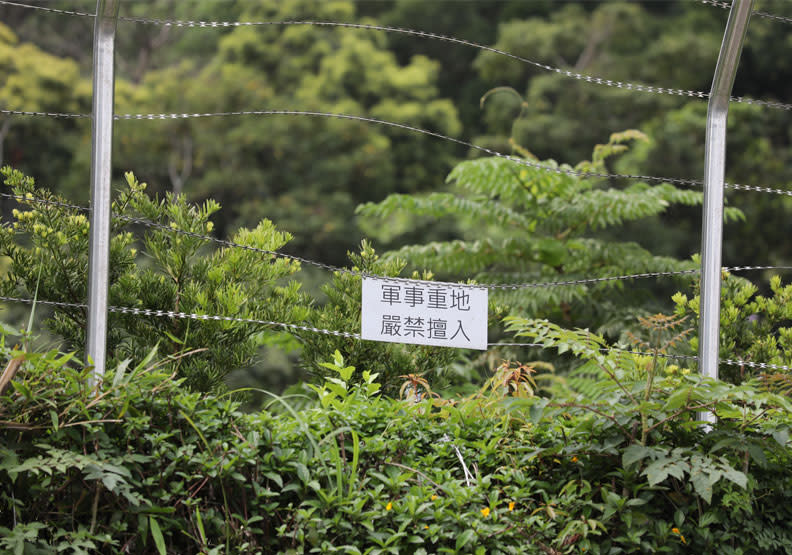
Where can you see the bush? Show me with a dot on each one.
(176, 270)
(342, 311)
(754, 328)
(147, 466)
(48, 248)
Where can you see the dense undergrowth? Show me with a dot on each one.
(615, 462)
(610, 455)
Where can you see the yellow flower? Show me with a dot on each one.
(485, 511)
(678, 533)
(433, 497)
(511, 505)
(574, 459)
(675, 530)
(389, 506)
(426, 526)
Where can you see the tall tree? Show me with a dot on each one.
(306, 173)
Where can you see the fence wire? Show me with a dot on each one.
(728, 361)
(559, 170)
(421, 34)
(717, 3)
(340, 270)
(348, 335)
(727, 5)
(185, 315)
(639, 87)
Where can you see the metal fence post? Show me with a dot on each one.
(101, 166)
(714, 169)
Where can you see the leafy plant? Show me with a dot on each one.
(519, 223)
(148, 465)
(342, 312)
(48, 249)
(754, 328)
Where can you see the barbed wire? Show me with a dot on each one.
(727, 5)
(46, 9)
(424, 34)
(178, 23)
(49, 202)
(338, 269)
(185, 315)
(728, 361)
(492, 286)
(639, 87)
(486, 150)
(45, 114)
(488, 286)
(350, 335)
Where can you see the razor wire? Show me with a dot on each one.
(185, 315)
(46, 9)
(717, 3)
(639, 87)
(521, 161)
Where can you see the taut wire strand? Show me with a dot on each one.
(435, 36)
(176, 23)
(490, 286)
(349, 335)
(727, 5)
(521, 161)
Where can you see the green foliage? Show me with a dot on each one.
(645, 413)
(754, 328)
(48, 250)
(342, 312)
(308, 172)
(147, 465)
(36, 80)
(521, 224)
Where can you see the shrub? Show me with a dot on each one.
(520, 223)
(147, 466)
(342, 311)
(754, 328)
(48, 248)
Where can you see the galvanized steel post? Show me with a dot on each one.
(101, 166)
(714, 169)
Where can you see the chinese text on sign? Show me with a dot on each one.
(424, 313)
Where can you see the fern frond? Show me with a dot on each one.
(595, 258)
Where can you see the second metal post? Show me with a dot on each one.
(714, 171)
(101, 167)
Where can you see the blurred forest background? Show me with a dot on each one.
(308, 174)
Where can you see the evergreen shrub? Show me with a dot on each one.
(147, 466)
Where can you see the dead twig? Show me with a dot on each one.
(9, 372)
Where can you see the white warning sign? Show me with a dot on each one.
(424, 313)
